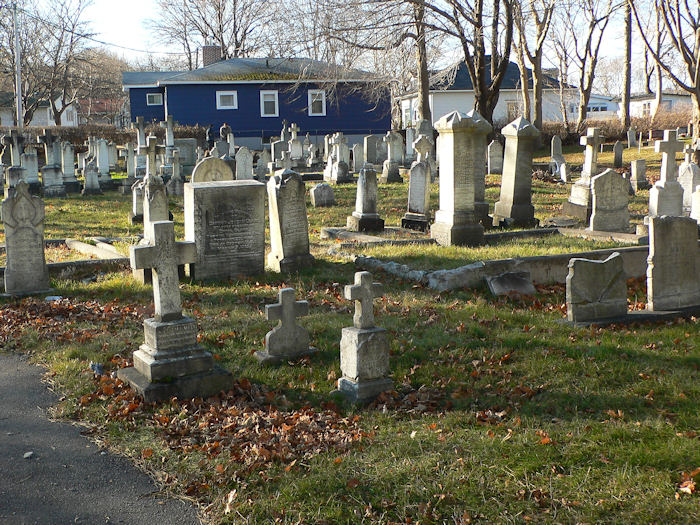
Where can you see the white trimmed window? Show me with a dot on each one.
(269, 104)
(154, 99)
(226, 100)
(317, 103)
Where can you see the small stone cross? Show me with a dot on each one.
(16, 143)
(591, 140)
(164, 256)
(363, 292)
(668, 147)
(688, 151)
(288, 309)
(422, 145)
(286, 161)
(168, 125)
(49, 142)
(294, 129)
(151, 149)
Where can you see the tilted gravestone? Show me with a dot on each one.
(365, 217)
(610, 209)
(289, 224)
(462, 149)
(226, 221)
(515, 202)
(596, 289)
(364, 347)
(673, 274)
(23, 215)
(557, 160)
(288, 340)
(170, 362)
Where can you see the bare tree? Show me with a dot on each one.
(627, 91)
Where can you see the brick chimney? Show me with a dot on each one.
(210, 55)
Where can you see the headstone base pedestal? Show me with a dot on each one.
(73, 186)
(265, 358)
(362, 391)
(135, 219)
(54, 191)
(457, 234)
(577, 210)
(34, 188)
(289, 264)
(202, 384)
(365, 224)
(98, 191)
(520, 214)
(48, 291)
(415, 221)
(390, 173)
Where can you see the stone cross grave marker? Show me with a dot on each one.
(163, 257)
(363, 292)
(668, 147)
(16, 143)
(49, 141)
(423, 146)
(591, 140)
(152, 149)
(288, 340)
(666, 196)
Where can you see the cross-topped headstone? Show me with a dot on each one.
(286, 161)
(591, 140)
(284, 136)
(288, 308)
(689, 153)
(168, 124)
(16, 143)
(163, 257)
(152, 149)
(363, 292)
(50, 142)
(668, 147)
(294, 130)
(423, 146)
(140, 132)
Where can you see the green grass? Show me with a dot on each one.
(502, 414)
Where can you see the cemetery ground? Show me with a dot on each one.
(501, 413)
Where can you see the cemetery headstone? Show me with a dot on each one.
(212, 169)
(695, 206)
(70, 183)
(226, 220)
(688, 178)
(288, 340)
(358, 157)
(462, 179)
(51, 175)
(244, 164)
(580, 201)
(176, 184)
(610, 211)
(638, 175)
(289, 225)
(364, 347)
(557, 159)
(495, 157)
(417, 216)
(390, 169)
(322, 195)
(596, 289)
(618, 149)
(23, 215)
(515, 203)
(136, 213)
(666, 196)
(92, 183)
(261, 168)
(409, 153)
(365, 217)
(631, 137)
(673, 275)
(170, 362)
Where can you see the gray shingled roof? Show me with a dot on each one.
(146, 78)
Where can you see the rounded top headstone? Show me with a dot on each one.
(212, 169)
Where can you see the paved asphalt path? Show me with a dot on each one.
(68, 479)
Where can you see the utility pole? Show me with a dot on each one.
(18, 70)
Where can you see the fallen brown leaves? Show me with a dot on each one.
(688, 483)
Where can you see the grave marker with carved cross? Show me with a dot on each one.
(668, 147)
(152, 149)
(591, 140)
(363, 292)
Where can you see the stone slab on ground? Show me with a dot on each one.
(68, 479)
(631, 238)
(511, 282)
(639, 316)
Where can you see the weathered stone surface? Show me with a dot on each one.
(288, 340)
(365, 217)
(462, 179)
(261, 168)
(695, 205)
(289, 225)
(638, 177)
(688, 178)
(511, 282)
(417, 217)
(322, 195)
(673, 275)
(596, 289)
(212, 169)
(557, 162)
(23, 216)
(618, 149)
(666, 196)
(495, 157)
(515, 202)
(226, 220)
(390, 167)
(580, 200)
(610, 209)
(244, 164)
(358, 157)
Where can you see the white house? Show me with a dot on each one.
(451, 89)
(43, 116)
(645, 105)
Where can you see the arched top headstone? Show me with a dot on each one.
(211, 169)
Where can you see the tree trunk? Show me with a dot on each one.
(524, 87)
(537, 88)
(627, 92)
(422, 58)
(695, 97)
(659, 92)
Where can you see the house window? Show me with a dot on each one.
(154, 99)
(269, 106)
(226, 100)
(317, 103)
(646, 109)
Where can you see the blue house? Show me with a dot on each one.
(254, 95)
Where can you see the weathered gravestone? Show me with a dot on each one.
(638, 175)
(70, 183)
(155, 209)
(373, 150)
(51, 176)
(92, 185)
(631, 137)
(30, 162)
(358, 157)
(26, 272)
(289, 225)
(244, 164)
(140, 160)
(188, 154)
(226, 220)
(579, 203)
(103, 163)
(666, 196)
(417, 217)
(596, 289)
(211, 169)
(495, 157)
(557, 160)
(515, 203)
(510, 283)
(390, 167)
(170, 362)
(462, 179)
(618, 149)
(610, 209)
(673, 274)
(136, 213)
(364, 347)
(688, 178)
(176, 184)
(288, 340)
(695, 206)
(322, 195)
(365, 217)
(261, 168)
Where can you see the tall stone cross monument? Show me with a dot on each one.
(152, 149)
(666, 196)
(580, 201)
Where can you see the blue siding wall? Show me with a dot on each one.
(348, 111)
(137, 100)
